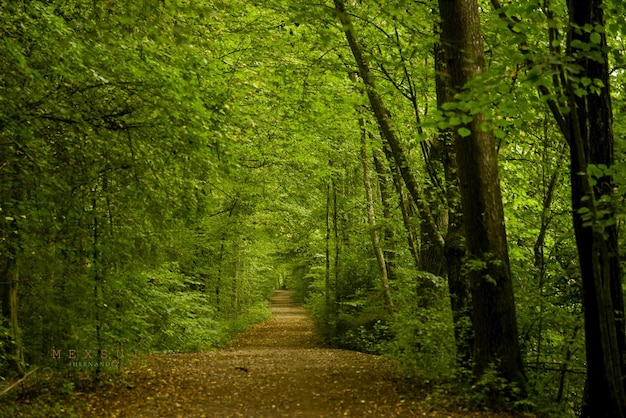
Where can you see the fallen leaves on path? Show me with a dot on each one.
(277, 369)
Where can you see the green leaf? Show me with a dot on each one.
(500, 134)
(595, 38)
(464, 132)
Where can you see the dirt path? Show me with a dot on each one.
(275, 370)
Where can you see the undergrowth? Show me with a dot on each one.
(50, 390)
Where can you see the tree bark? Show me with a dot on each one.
(454, 248)
(592, 142)
(494, 320)
(9, 300)
(388, 232)
(587, 126)
(429, 229)
(406, 210)
(371, 219)
(327, 298)
(337, 248)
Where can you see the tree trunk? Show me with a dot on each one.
(371, 219)
(337, 249)
(587, 126)
(388, 233)
(8, 291)
(327, 298)
(429, 229)
(14, 193)
(454, 248)
(218, 282)
(538, 249)
(591, 142)
(221, 255)
(494, 321)
(98, 276)
(404, 205)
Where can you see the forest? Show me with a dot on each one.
(441, 182)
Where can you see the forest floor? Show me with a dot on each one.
(277, 369)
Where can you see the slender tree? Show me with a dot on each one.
(371, 219)
(10, 234)
(327, 295)
(389, 135)
(385, 199)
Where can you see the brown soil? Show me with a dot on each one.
(277, 369)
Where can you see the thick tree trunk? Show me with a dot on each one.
(494, 320)
(587, 126)
(454, 248)
(591, 142)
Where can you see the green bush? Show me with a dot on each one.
(424, 344)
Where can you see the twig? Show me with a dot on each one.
(5, 391)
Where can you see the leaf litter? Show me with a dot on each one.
(277, 369)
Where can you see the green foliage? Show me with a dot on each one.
(546, 268)
(494, 391)
(424, 345)
(4, 356)
(50, 393)
(114, 120)
(166, 165)
(180, 320)
(364, 331)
